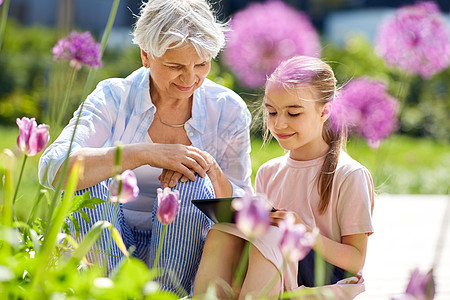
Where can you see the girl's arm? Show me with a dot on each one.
(349, 255)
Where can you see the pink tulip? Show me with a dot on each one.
(168, 203)
(129, 191)
(421, 286)
(32, 138)
(252, 215)
(295, 242)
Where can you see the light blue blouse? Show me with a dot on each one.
(121, 110)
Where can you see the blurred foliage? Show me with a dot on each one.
(32, 84)
(425, 103)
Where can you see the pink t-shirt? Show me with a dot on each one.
(292, 185)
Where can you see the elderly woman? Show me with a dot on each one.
(178, 129)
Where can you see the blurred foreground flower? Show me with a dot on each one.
(421, 286)
(365, 106)
(124, 188)
(32, 138)
(79, 48)
(295, 241)
(168, 203)
(264, 34)
(252, 215)
(1, 2)
(416, 39)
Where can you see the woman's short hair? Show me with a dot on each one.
(167, 24)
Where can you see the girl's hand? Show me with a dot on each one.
(282, 214)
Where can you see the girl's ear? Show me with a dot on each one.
(144, 58)
(326, 111)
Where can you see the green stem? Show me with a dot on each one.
(66, 100)
(32, 216)
(4, 16)
(242, 267)
(158, 253)
(20, 178)
(87, 88)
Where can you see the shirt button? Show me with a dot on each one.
(187, 125)
(191, 133)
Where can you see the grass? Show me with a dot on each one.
(401, 165)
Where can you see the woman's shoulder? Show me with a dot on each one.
(221, 94)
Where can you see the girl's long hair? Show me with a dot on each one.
(303, 71)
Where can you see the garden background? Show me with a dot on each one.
(412, 159)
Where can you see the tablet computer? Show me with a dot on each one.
(219, 210)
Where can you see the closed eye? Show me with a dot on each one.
(294, 115)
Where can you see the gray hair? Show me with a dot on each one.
(167, 24)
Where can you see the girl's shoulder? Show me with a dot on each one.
(274, 164)
(348, 166)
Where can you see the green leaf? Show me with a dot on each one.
(76, 225)
(85, 201)
(85, 216)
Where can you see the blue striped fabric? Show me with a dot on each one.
(182, 245)
(104, 211)
(184, 238)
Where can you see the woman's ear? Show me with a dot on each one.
(144, 58)
(326, 111)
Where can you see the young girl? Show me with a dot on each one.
(316, 181)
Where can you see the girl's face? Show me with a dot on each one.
(295, 121)
(178, 73)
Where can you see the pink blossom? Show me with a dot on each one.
(129, 190)
(365, 107)
(168, 203)
(416, 39)
(421, 286)
(252, 215)
(79, 48)
(295, 241)
(264, 34)
(32, 138)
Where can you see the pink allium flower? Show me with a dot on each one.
(264, 34)
(365, 106)
(421, 286)
(168, 203)
(252, 215)
(79, 48)
(1, 2)
(129, 190)
(32, 138)
(295, 241)
(416, 39)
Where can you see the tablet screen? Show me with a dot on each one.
(219, 210)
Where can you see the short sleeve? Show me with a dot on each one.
(355, 203)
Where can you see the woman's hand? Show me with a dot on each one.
(170, 178)
(177, 161)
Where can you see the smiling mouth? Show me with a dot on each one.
(284, 136)
(184, 88)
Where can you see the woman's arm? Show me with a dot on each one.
(99, 162)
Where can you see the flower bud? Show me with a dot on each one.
(168, 203)
(32, 138)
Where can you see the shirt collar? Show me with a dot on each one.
(143, 101)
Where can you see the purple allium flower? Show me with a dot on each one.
(264, 34)
(421, 286)
(129, 190)
(365, 106)
(1, 2)
(416, 39)
(168, 203)
(295, 241)
(252, 215)
(79, 48)
(32, 138)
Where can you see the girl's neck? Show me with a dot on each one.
(309, 151)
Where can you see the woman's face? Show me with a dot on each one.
(177, 73)
(296, 123)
